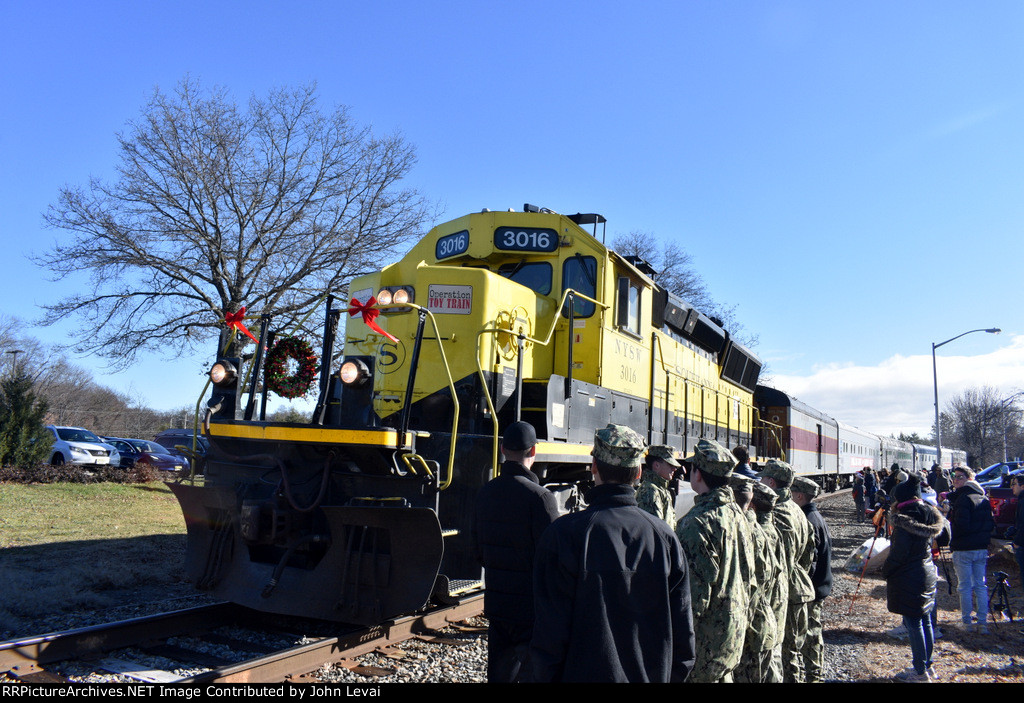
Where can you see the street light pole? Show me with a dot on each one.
(1002, 414)
(14, 363)
(935, 380)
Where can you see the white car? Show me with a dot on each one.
(79, 446)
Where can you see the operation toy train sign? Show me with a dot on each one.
(452, 300)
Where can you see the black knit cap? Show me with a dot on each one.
(519, 437)
(908, 490)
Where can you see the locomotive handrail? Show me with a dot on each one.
(547, 340)
(206, 417)
(442, 485)
(406, 460)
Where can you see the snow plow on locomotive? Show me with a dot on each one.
(365, 512)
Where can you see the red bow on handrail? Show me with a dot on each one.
(235, 320)
(369, 314)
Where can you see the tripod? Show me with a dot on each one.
(999, 598)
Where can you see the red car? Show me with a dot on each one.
(1004, 508)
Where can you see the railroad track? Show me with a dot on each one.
(40, 659)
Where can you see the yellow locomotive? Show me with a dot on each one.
(366, 512)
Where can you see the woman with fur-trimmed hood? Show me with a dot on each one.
(910, 575)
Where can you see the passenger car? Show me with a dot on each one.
(79, 446)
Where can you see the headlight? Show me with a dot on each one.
(223, 373)
(354, 373)
(399, 295)
(79, 452)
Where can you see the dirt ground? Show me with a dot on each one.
(859, 617)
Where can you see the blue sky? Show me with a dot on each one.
(850, 175)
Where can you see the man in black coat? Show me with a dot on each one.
(611, 584)
(512, 511)
(804, 490)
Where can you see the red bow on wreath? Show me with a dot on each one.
(370, 314)
(235, 320)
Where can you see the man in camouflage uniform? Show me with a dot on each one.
(717, 542)
(798, 538)
(763, 631)
(804, 492)
(611, 584)
(653, 495)
(764, 505)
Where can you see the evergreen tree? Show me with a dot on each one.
(24, 440)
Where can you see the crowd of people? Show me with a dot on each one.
(925, 513)
(622, 592)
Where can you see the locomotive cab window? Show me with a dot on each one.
(580, 274)
(627, 311)
(534, 275)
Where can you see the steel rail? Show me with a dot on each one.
(25, 658)
(280, 666)
(27, 655)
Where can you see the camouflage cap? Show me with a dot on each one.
(778, 470)
(802, 484)
(618, 445)
(764, 497)
(665, 453)
(740, 481)
(742, 488)
(712, 458)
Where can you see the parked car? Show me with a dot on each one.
(141, 451)
(79, 446)
(997, 475)
(169, 439)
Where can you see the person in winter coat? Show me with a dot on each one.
(970, 518)
(870, 486)
(611, 584)
(858, 498)
(910, 574)
(938, 479)
(513, 510)
(1018, 527)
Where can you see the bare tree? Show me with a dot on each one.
(675, 272)
(216, 207)
(978, 419)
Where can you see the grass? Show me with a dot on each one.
(64, 512)
(68, 547)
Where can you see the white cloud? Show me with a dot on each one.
(897, 395)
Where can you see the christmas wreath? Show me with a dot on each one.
(279, 380)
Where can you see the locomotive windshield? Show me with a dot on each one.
(534, 275)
